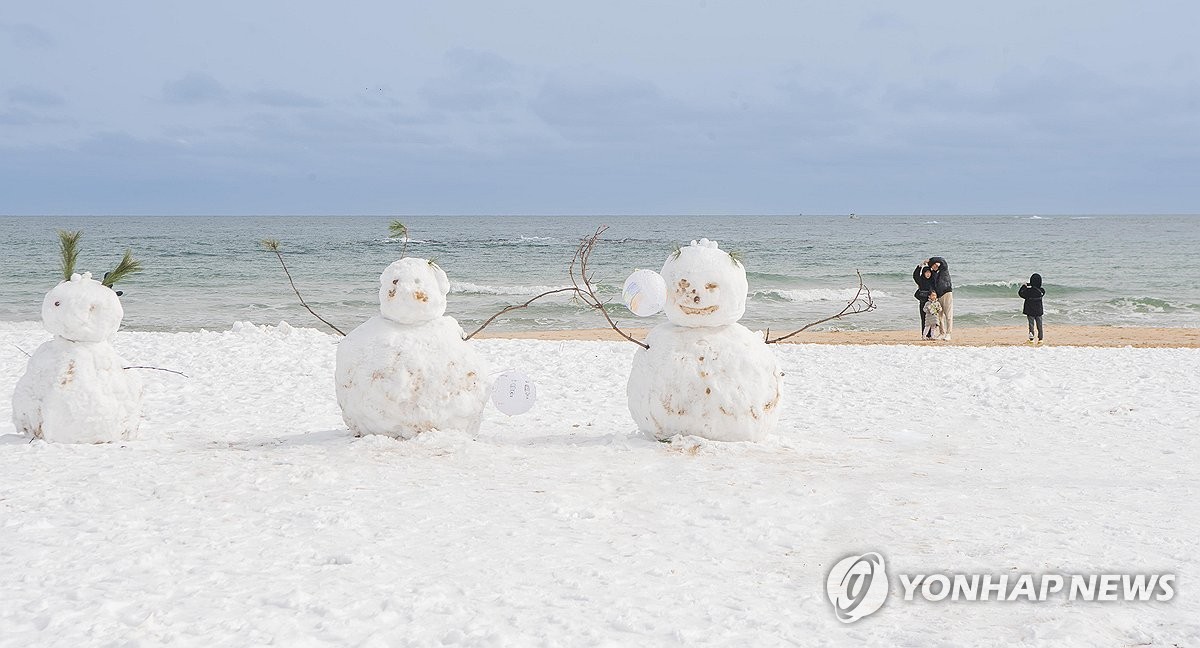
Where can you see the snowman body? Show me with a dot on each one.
(408, 369)
(75, 388)
(704, 373)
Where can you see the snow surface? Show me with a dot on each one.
(247, 514)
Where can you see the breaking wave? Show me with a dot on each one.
(812, 294)
(467, 288)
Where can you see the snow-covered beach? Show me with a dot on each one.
(246, 514)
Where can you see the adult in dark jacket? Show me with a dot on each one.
(923, 276)
(1032, 293)
(945, 292)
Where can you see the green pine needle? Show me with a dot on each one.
(69, 244)
(737, 256)
(126, 267)
(396, 229)
(677, 252)
(271, 245)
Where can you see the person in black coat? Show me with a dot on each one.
(923, 276)
(945, 292)
(1032, 293)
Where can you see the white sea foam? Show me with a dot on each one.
(814, 294)
(468, 288)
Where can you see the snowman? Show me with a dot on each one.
(408, 369)
(703, 373)
(75, 388)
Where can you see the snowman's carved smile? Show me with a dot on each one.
(688, 310)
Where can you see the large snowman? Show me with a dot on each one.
(408, 369)
(704, 374)
(75, 388)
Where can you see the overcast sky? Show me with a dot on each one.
(654, 106)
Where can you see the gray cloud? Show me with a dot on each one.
(193, 88)
(283, 99)
(26, 36)
(31, 96)
(475, 81)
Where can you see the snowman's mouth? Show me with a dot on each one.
(688, 310)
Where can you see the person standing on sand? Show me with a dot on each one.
(943, 287)
(923, 277)
(1032, 293)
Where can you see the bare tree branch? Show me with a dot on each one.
(581, 288)
(22, 351)
(514, 307)
(586, 292)
(861, 303)
(158, 369)
(273, 246)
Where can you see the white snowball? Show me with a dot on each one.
(644, 293)
(77, 392)
(514, 393)
(82, 309)
(705, 286)
(413, 291)
(721, 383)
(403, 379)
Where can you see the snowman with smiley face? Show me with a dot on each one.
(408, 369)
(75, 388)
(704, 374)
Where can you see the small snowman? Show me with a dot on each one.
(75, 388)
(703, 373)
(408, 370)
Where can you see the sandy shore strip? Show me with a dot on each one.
(1076, 336)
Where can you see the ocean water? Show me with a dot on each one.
(209, 272)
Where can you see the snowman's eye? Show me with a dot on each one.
(58, 303)
(395, 281)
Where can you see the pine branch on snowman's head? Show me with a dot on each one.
(412, 291)
(68, 243)
(398, 230)
(703, 287)
(126, 267)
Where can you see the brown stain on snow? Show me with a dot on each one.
(670, 407)
(420, 296)
(70, 375)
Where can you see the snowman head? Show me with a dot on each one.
(82, 309)
(412, 291)
(705, 286)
